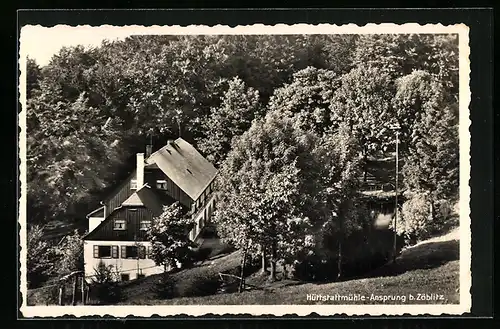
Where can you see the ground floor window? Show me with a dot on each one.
(133, 252)
(125, 276)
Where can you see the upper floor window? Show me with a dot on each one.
(133, 184)
(145, 225)
(119, 224)
(161, 184)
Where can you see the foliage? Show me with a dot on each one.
(430, 136)
(38, 258)
(69, 253)
(104, 284)
(416, 222)
(33, 76)
(363, 102)
(239, 106)
(168, 234)
(307, 98)
(265, 190)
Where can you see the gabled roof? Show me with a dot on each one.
(185, 166)
(146, 197)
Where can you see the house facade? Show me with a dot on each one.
(117, 230)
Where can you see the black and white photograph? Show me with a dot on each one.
(283, 169)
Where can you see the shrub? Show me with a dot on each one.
(104, 286)
(419, 220)
(165, 287)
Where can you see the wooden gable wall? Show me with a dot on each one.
(132, 216)
(120, 194)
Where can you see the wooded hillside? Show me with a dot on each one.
(90, 110)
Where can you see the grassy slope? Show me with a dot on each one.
(431, 267)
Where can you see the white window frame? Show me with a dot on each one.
(144, 227)
(133, 184)
(122, 228)
(162, 183)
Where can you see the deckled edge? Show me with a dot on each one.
(280, 310)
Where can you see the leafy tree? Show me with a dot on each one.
(38, 257)
(33, 77)
(431, 139)
(401, 54)
(364, 102)
(168, 234)
(308, 98)
(338, 154)
(416, 222)
(240, 105)
(267, 176)
(69, 253)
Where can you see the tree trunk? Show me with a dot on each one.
(263, 269)
(272, 274)
(339, 261)
(365, 166)
(243, 264)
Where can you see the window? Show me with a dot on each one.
(102, 251)
(133, 184)
(119, 225)
(140, 275)
(161, 184)
(125, 276)
(145, 225)
(134, 252)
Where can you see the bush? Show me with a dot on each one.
(165, 287)
(420, 219)
(104, 286)
(362, 251)
(43, 296)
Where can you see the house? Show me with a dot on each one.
(176, 172)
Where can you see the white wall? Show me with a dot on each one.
(197, 229)
(127, 265)
(94, 222)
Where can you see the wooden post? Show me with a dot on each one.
(83, 289)
(61, 291)
(73, 297)
(394, 252)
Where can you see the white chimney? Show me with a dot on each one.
(140, 170)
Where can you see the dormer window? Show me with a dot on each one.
(133, 184)
(119, 225)
(161, 184)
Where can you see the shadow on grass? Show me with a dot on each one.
(424, 256)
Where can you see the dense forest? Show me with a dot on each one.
(290, 121)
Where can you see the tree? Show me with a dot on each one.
(239, 106)
(69, 253)
(33, 77)
(401, 54)
(38, 256)
(168, 234)
(266, 190)
(431, 139)
(308, 98)
(339, 156)
(364, 102)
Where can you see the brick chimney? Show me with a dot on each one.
(140, 170)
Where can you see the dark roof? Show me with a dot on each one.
(185, 166)
(149, 198)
